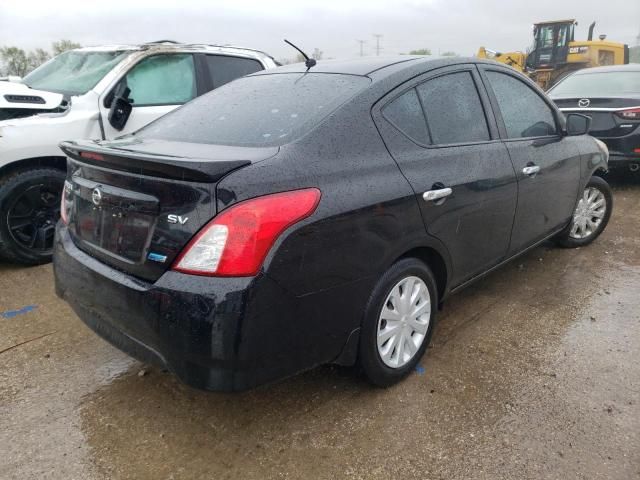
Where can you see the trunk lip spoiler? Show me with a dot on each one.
(154, 165)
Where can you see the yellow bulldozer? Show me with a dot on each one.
(555, 52)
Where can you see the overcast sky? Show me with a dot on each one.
(332, 26)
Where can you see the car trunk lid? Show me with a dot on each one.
(135, 205)
(604, 121)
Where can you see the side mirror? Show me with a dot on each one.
(578, 124)
(120, 108)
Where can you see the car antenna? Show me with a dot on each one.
(309, 62)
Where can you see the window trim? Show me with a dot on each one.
(196, 77)
(485, 102)
(483, 69)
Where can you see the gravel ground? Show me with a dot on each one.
(533, 374)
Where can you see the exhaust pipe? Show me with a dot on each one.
(591, 27)
(634, 167)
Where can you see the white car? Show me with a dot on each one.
(91, 93)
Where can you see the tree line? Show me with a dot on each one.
(19, 62)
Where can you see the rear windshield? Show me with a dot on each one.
(73, 72)
(601, 84)
(262, 110)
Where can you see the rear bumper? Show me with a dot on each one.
(221, 334)
(618, 160)
(622, 150)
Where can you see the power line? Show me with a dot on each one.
(361, 42)
(378, 47)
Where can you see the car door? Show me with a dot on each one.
(546, 161)
(158, 84)
(440, 130)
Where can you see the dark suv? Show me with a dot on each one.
(294, 218)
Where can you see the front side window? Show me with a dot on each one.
(223, 68)
(453, 109)
(405, 113)
(524, 112)
(545, 38)
(74, 72)
(563, 32)
(162, 80)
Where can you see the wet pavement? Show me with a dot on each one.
(533, 373)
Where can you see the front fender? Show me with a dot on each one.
(39, 135)
(595, 156)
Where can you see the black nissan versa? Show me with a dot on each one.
(611, 97)
(294, 218)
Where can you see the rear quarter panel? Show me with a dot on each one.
(366, 214)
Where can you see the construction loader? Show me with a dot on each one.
(555, 52)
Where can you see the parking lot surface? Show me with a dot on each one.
(533, 373)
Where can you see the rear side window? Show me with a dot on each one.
(258, 110)
(224, 69)
(405, 113)
(453, 109)
(162, 80)
(524, 112)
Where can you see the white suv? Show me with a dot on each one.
(91, 93)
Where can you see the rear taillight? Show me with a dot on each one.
(629, 114)
(64, 205)
(236, 242)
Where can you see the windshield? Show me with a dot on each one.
(598, 84)
(262, 110)
(73, 72)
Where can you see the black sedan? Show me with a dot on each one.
(611, 97)
(294, 218)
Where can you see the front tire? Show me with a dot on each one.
(590, 216)
(29, 210)
(398, 322)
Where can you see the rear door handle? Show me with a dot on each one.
(432, 195)
(531, 170)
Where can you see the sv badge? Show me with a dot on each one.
(177, 219)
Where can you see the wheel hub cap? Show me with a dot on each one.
(404, 322)
(588, 214)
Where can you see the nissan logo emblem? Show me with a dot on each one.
(96, 197)
(584, 102)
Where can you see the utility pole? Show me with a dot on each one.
(361, 42)
(378, 47)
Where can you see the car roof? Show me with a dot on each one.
(365, 66)
(631, 67)
(169, 45)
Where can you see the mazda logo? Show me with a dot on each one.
(584, 102)
(96, 197)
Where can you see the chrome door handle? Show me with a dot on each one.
(532, 170)
(432, 195)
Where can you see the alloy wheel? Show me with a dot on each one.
(403, 322)
(32, 217)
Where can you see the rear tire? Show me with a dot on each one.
(590, 216)
(29, 211)
(398, 322)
